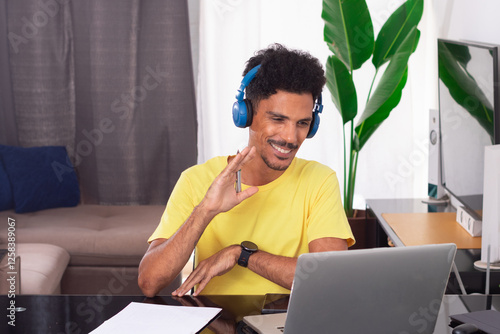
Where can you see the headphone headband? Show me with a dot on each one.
(246, 80)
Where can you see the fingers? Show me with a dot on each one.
(247, 154)
(222, 195)
(216, 265)
(184, 288)
(201, 286)
(180, 291)
(247, 193)
(198, 276)
(240, 160)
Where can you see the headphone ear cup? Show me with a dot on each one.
(242, 113)
(314, 125)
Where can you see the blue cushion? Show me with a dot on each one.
(41, 177)
(6, 199)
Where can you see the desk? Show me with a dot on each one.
(377, 207)
(81, 314)
(429, 228)
(474, 280)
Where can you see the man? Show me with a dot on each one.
(287, 206)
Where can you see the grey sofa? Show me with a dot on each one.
(87, 249)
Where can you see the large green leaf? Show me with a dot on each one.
(364, 130)
(341, 87)
(395, 30)
(460, 53)
(348, 31)
(463, 87)
(388, 92)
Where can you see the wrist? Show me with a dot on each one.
(205, 212)
(235, 252)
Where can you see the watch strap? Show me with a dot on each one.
(244, 257)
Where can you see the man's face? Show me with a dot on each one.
(279, 126)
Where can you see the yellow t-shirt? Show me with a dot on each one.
(302, 205)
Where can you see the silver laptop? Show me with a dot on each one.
(381, 290)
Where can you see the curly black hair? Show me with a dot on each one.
(293, 71)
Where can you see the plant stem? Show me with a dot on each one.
(348, 198)
(345, 174)
(354, 155)
(352, 181)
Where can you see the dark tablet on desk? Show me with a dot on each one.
(275, 303)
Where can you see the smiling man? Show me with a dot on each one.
(248, 242)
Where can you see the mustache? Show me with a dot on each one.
(290, 146)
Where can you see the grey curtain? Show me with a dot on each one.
(112, 81)
(8, 130)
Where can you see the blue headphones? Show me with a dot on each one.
(242, 108)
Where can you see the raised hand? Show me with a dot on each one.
(165, 258)
(222, 196)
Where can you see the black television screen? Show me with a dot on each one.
(469, 116)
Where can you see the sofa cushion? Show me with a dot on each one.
(95, 235)
(41, 177)
(42, 267)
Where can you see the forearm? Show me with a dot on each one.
(164, 261)
(277, 269)
(281, 269)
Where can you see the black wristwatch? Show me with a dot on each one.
(247, 249)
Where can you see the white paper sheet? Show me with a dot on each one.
(155, 318)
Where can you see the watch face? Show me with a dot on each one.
(250, 246)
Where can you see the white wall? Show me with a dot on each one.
(468, 20)
(393, 164)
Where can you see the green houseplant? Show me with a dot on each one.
(348, 31)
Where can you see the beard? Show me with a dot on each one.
(276, 166)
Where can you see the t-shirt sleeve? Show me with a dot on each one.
(179, 206)
(327, 218)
